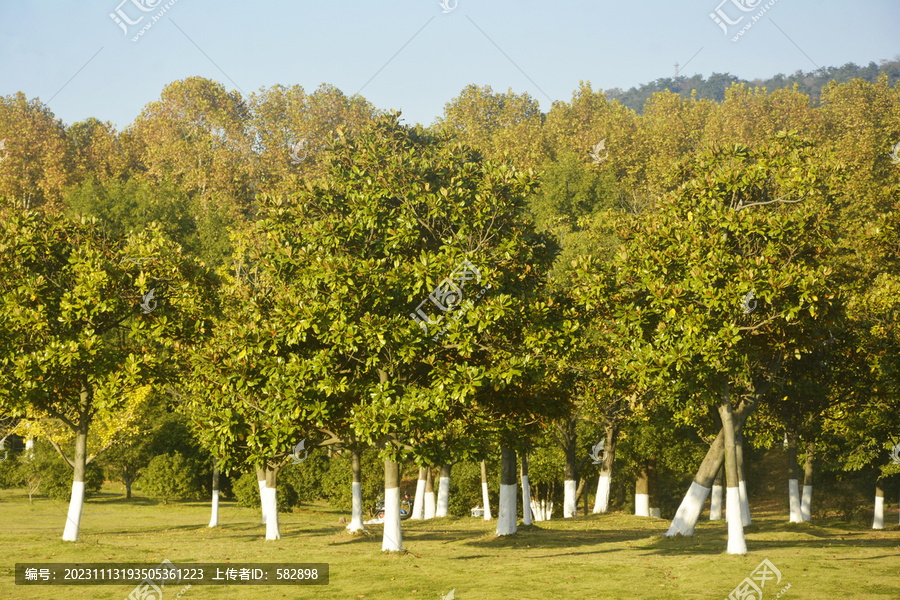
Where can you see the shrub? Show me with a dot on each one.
(337, 481)
(246, 492)
(172, 477)
(57, 476)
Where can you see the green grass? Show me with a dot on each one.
(600, 556)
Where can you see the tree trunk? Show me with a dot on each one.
(429, 494)
(76, 500)
(392, 540)
(878, 522)
(356, 509)
(443, 497)
(742, 484)
(601, 502)
(127, 480)
(569, 439)
(507, 514)
(641, 492)
(214, 517)
(271, 506)
(261, 479)
(806, 500)
(526, 491)
(736, 542)
(418, 511)
(715, 503)
(793, 481)
(653, 488)
(485, 498)
(689, 511)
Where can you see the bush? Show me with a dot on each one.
(337, 481)
(10, 475)
(57, 477)
(465, 488)
(246, 492)
(172, 477)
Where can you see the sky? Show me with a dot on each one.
(415, 55)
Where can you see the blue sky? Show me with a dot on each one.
(410, 54)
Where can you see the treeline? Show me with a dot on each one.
(686, 284)
(810, 83)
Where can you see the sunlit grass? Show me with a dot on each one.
(602, 556)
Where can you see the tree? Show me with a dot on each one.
(724, 282)
(75, 339)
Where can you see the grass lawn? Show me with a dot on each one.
(600, 556)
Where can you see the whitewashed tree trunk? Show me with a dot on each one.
(642, 492)
(430, 505)
(214, 517)
(715, 502)
(271, 505)
(73, 519)
(526, 492)
(508, 515)
(418, 511)
(806, 500)
(76, 500)
(736, 542)
(570, 509)
(261, 479)
(793, 481)
(29, 447)
(392, 540)
(356, 510)
(689, 511)
(485, 497)
(443, 496)
(878, 522)
(601, 502)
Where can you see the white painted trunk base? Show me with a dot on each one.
(806, 503)
(486, 501)
(601, 502)
(356, 510)
(271, 504)
(715, 503)
(655, 513)
(526, 501)
(745, 504)
(392, 540)
(569, 508)
(506, 520)
(214, 518)
(443, 497)
(878, 522)
(794, 500)
(736, 542)
(542, 510)
(262, 499)
(642, 505)
(73, 520)
(429, 505)
(689, 511)
(418, 511)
